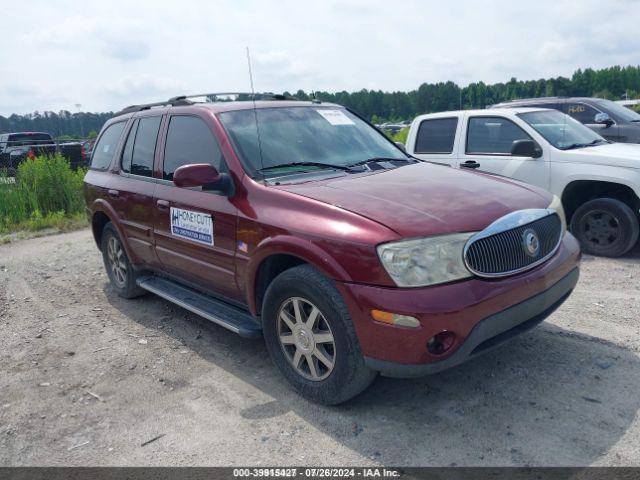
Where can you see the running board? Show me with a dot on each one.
(223, 314)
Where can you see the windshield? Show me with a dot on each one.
(321, 135)
(619, 111)
(561, 130)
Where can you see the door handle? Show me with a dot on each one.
(470, 164)
(113, 193)
(162, 204)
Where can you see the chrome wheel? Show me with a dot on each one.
(117, 262)
(306, 339)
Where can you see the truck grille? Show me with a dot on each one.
(500, 251)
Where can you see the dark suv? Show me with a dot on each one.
(611, 120)
(302, 223)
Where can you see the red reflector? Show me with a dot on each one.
(441, 342)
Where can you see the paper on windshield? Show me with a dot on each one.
(335, 117)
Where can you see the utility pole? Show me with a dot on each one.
(79, 106)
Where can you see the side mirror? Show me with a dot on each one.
(525, 148)
(202, 175)
(604, 119)
(401, 146)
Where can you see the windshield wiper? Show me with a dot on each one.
(304, 164)
(583, 145)
(380, 159)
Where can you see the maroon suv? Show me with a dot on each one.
(302, 223)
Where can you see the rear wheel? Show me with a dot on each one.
(311, 339)
(119, 269)
(605, 227)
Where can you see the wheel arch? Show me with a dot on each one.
(274, 256)
(103, 213)
(577, 192)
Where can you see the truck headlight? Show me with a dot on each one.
(556, 204)
(425, 261)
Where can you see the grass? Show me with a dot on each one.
(46, 193)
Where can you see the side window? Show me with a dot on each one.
(105, 149)
(436, 136)
(189, 140)
(493, 135)
(581, 112)
(144, 146)
(127, 153)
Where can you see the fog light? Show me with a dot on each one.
(441, 342)
(394, 319)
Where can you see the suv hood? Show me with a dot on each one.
(625, 155)
(425, 199)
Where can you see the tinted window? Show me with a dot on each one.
(106, 147)
(436, 136)
(618, 110)
(581, 112)
(20, 139)
(189, 140)
(127, 153)
(144, 147)
(493, 135)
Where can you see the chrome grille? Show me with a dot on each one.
(515, 243)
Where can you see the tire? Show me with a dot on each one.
(605, 227)
(122, 276)
(307, 287)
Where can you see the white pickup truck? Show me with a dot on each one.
(597, 181)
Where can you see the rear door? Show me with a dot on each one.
(132, 190)
(195, 230)
(487, 141)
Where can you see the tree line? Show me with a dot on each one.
(612, 83)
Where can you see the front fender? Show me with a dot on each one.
(298, 247)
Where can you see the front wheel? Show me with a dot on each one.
(605, 227)
(311, 339)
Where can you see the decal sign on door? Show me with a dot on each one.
(195, 226)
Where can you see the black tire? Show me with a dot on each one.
(125, 284)
(349, 375)
(605, 227)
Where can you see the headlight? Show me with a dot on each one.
(425, 261)
(556, 205)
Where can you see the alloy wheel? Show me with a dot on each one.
(117, 262)
(306, 339)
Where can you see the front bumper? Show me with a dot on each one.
(482, 313)
(490, 332)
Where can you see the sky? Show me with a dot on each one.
(108, 54)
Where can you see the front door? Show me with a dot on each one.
(586, 114)
(195, 230)
(488, 142)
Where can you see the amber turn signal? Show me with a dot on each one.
(394, 319)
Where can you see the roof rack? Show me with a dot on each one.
(534, 99)
(209, 98)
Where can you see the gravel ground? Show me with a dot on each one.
(90, 379)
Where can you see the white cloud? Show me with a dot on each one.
(109, 54)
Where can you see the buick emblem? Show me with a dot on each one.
(530, 242)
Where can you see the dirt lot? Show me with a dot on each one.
(87, 378)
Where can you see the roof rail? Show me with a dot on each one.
(210, 98)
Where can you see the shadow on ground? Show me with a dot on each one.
(549, 397)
